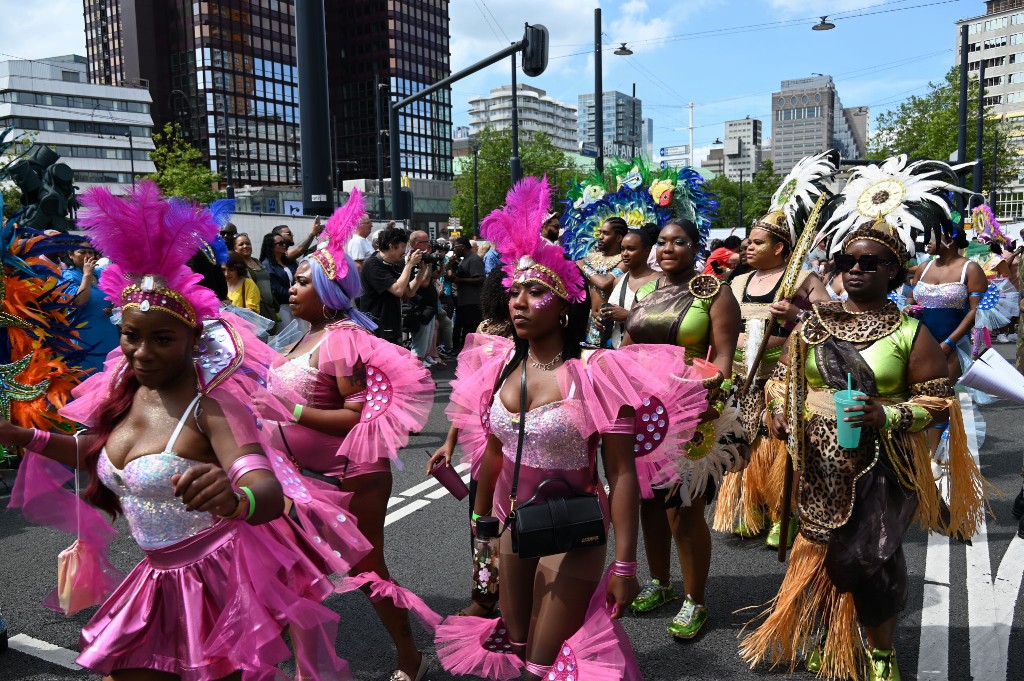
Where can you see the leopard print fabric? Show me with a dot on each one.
(752, 406)
(937, 387)
(832, 318)
(828, 477)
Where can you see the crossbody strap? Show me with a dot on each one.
(519, 444)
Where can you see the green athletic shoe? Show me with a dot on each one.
(883, 665)
(653, 595)
(775, 534)
(812, 662)
(742, 530)
(689, 621)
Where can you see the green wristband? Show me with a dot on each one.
(296, 413)
(252, 502)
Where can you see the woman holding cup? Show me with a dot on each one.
(856, 497)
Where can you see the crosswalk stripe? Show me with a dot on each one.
(44, 651)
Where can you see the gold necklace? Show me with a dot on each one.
(544, 366)
(764, 274)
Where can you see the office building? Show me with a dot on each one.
(647, 138)
(715, 161)
(742, 152)
(537, 112)
(623, 122)
(997, 38)
(227, 74)
(102, 132)
(808, 118)
(403, 46)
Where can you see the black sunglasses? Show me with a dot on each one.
(868, 262)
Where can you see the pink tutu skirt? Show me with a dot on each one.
(218, 603)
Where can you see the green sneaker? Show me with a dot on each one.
(653, 595)
(812, 662)
(883, 665)
(775, 534)
(742, 530)
(689, 621)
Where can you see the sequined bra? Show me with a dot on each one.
(320, 389)
(949, 296)
(156, 517)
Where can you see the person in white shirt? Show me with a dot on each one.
(359, 247)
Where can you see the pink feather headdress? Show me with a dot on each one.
(149, 240)
(337, 231)
(515, 232)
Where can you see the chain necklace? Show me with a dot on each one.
(761, 275)
(544, 366)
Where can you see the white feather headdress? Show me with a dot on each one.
(800, 189)
(915, 199)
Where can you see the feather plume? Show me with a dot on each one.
(915, 199)
(515, 232)
(339, 229)
(811, 177)
(144, 234)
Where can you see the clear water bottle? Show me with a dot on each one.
(485, 562)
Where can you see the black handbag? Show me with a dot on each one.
(551, 526)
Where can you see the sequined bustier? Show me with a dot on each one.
(156, 517)
(552, 447)
(949, 296)
(320, 389)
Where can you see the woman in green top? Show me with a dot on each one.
(694, 311)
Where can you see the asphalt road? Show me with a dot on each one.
(968, 621)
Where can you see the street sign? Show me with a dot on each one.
(293, 207)
(678, 150)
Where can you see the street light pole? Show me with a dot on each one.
(995, 174)
(598, 95)
(476, 188)
(741, 199)
(377, 87)
(632, 125)
(131, 154)
(516, 167)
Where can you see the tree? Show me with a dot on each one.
(180, 170)
(926, 127)
(757, 196)
(538, 157)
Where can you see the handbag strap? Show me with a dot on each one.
(519, 446)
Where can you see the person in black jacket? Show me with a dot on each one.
(281, 270)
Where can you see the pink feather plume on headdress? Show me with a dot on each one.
(515, 232)
(339, 229)
(144, 234)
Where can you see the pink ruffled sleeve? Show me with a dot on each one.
(480, 363)
(399, 391)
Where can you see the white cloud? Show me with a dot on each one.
(58, 30)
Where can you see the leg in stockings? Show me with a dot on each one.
(369, 500)
(657, 536)
(561, 594)
(515, 592)
(693, 542)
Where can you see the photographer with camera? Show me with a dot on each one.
(421, 318)
(388, 277)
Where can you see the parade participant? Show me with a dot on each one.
(91, 313)
(205, 507)
(748, 499)
(561, 408)
(636, 247)
(601, 268)
(856, 500)
(696, 312)
(365, 395)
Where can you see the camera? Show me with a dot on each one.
(440, 246)
(433, 259)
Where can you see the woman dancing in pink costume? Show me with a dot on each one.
(175, 443)
(557, 615)
(365, 395)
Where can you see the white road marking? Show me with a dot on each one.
(404, 511)
(440, 493)
(394, 501)
(933, 658)
(45, 651)
(420, 487)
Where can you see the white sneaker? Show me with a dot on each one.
(429, 361)
(1013, 337)
(1002, 338)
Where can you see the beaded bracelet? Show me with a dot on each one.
(621, 568)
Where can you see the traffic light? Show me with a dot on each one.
(535, 52)
(47, 192)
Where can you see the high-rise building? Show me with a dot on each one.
(715, 161)
(623, 122)
(808, 118)
(403, 46)
(227, 73)
(224, 72)
(742, 148)
(536, 111)
(102, 132)
(997, 38)
(647, 138)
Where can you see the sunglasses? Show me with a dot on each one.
(867, 262)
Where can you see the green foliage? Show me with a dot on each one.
(926, 127)
(537, 155)
(180, 170)
(12, 200)
(757, 196)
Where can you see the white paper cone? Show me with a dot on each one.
(992, 374)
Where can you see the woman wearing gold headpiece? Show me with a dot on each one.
(857, 499)
(750, 496)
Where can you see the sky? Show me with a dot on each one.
(725, 56)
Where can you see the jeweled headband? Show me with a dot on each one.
(529, 271)
(881, 232)
(148, 295)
